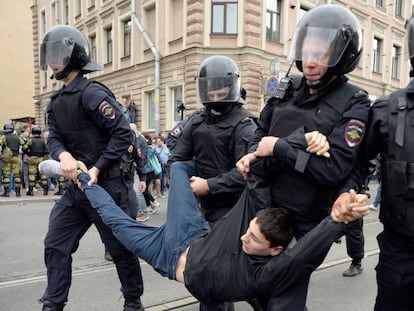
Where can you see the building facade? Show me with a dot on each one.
(151, 49)
(16, 61)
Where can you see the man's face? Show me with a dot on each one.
(254, 242)
(57, 68)
(315, 58)
(218, 95)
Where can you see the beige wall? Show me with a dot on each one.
(16, 60)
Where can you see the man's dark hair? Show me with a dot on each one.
(276, 224)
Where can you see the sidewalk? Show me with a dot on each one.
(37, 197)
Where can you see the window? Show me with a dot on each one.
(395, 54)
(92, 40)
(78, 8)
(43, 22)
(91, 3)
(380, 3)
(127, 38)
(149, 96)
(273, 20)
(224, 17)
(108, 45)
(176, 29)
(377, 46)
(177, 98)
(55, 14)
(65, 14)
(398, 8)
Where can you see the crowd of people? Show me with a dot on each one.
(254, 203)
(22, 150)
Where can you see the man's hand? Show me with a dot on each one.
(349, 206)
(243, 165)
(142, 186)
(317, 144)
(93, 174)
(266, 146)
(69, 166)
(199, 186)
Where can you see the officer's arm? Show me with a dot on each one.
(263, 124)
(233, 180)
(183, 150)
(55, 142)
(105, 113)
(345, 140)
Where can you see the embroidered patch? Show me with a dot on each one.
(354, 132)
(130, 148)
(107, 110)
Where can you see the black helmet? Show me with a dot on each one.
(36, 130)
(409, 26)
(8, 128)
(336, 28)
(64, 45)
(218, 73)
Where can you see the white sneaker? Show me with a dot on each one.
(155, 208)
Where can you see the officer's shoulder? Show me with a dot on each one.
(381, 102)
(94, 93)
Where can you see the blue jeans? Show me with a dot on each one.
(142, 205)
(377, 200)
(161, 246)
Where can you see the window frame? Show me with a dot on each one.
(225, 4)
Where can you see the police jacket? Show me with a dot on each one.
(391, 134)
(302, 182)
(217, 145)
(85, 120)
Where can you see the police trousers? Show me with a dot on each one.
(395, 272)
(69, 220)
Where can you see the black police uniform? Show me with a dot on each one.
(391, 135)
(216, 145)
(85, 120)
(304, 183)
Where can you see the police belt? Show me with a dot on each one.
(112, 173)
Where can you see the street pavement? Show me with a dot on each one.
(22, 272)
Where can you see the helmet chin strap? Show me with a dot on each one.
(321, 82)
(62, 74)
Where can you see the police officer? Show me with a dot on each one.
(217, 136)
(11, 143)
(36, 150)
(86, 124)
(390, 135)
(326, 45)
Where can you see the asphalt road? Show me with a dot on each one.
(95, 286)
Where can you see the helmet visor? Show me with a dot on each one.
(324, 46)
(219, 89)
(55, 53)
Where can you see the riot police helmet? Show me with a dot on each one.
(8, 128)
(67, 47)
(36, 130)
(335, 37)
(218, 81)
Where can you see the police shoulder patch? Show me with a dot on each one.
(107, 110)
(354, 132)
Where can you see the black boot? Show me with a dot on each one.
(30, 191)
(60, 191)
(17, 190)
(50, 306)
(45, 190)
(6, 192)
